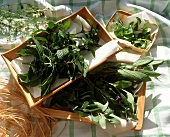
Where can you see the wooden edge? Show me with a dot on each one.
(64, 115)
(122, 15)
(140, 107)
(24, 90)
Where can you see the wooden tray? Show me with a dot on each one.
(119, 15)
(11, 54)
(75, 117)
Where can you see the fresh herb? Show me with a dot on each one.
(57, 55)
(138, 36)
(21, 22)
(107, 93)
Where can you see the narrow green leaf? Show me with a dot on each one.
(85, 104)
(102, 121)
(39, 31)
(42, 39)
(122, 84)
(130, 99)
(101, 106)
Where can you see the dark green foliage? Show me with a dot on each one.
(108, 91)
(57, 55)
(140, 38)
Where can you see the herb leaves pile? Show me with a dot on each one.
(57, 55)
(139, 37)
(107, 93)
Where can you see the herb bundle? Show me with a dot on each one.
(108, 91)
(138, 36)
(57, 55)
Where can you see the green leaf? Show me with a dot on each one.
(134, 75)
(24, 52)
(91, 108)
(143, 61)
(85, 104)
(39, 31)
(42, 39)
(29, 79)
(122, 84)
(39, 47)
(150, 73)
(62, 53)
(95, 118)
(156, 63)
(51, 25)
(61, 33)
(130, 99)
(86, 67)
(66, 25)
(102, 121)
(101, 106)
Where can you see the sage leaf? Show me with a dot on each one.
(143, 61)
(102, 121)
(95, 118)
(101, 106)
(135, 75)
(122, 84)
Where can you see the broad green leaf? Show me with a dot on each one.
(150, 73)
(66, 25)
(134, 75)
(80, 67)
(61, 33)
(143, 61)
(156, 63)
(51, 25)
(114, 121)
(102, 121)
(61, 53)
(95, 118)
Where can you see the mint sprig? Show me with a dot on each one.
(139, 37)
